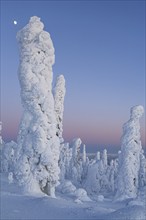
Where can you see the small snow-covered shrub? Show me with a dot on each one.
(100, 198)
(81, 195)
(10, 177)
(78, 201)
(8, 156)
(68, 187)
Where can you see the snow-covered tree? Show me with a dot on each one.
(98, 156)
(103, 176)
(65, 161)
(85, 164)
(59, 94)
(76, 165)
(127, 180)
(68, 158)
(38, 144)
(104, 158)
(92, 181)
(84, 154)
(142, 170)
(8, 156)
(111, 175)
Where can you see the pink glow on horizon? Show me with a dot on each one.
(91, 132)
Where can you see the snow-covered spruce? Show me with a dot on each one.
(98, 156)
(8, 156)
(84, 157)
(127, 180)
(76, 165)
(93, 179)
(70, 162)
(59, 94)
(38, 144)
(85, 164)
(65, 161)
(104, 158)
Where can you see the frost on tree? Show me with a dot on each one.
(38, 144)
(127, 180)
(59, 94)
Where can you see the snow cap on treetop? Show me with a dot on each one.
(137, 111)
(32, 29)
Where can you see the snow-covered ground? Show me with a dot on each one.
(16, 205)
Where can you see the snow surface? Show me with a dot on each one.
(17, 205)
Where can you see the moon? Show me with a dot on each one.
(15, 22)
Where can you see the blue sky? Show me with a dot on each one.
(100, 49)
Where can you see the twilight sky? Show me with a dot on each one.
(100, 49)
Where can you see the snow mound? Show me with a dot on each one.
(136, 202)
(81, 195)
(78, 201)
(68, 188)
(100, 198)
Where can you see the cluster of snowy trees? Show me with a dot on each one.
(41, 160)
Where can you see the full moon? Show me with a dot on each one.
(15, 22)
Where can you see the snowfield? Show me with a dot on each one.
(16, 205)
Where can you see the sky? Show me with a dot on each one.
(100, 50)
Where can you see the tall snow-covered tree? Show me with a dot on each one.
(76, 166)
(98, 156)
(111, 175)
(64, 161)
(92, 183)
(38, 144)
(104, 158)
(84, 154)
(59, 94)
(127, 180)
(68, 158)
(85, 164)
